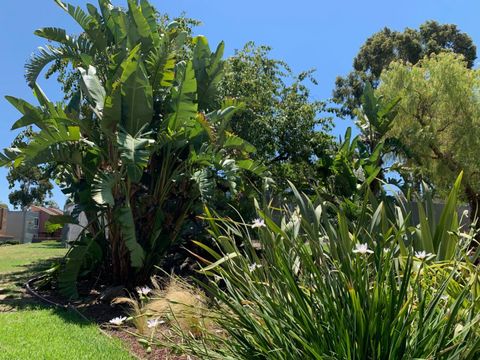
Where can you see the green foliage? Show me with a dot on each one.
(82, 257)
(129, 146)
(438, 119)
(278, 118)
(50, 227)
(329, 288)
(387, 46)
(30, 184)
(436, 233)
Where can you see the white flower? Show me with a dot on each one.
(254, 266)
(144, 291)
(296, 218)
(258, 223)
(422, 255)
(362, 249)
(323, 239)
(154, 323)
(118, 320)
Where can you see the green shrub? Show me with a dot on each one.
(50, 227)
(322, 288)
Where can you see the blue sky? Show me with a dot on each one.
(324, 35)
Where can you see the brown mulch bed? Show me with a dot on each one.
(140, 352)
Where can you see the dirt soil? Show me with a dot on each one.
(139, 351)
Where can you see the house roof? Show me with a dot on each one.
(49, 211)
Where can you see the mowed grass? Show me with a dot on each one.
(29, 330)
(18, 263)
(17, 257)
(49, 334)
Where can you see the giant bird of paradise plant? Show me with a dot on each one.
(138, 146)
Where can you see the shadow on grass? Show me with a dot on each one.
(14, 297)
(48, 244)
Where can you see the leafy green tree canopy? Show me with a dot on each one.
(279, 118)
(387, 46)
(438, 118)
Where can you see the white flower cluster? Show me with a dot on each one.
(144, 291)
(154, 323)
(258, 223)
(362, 249)
(118, 320)
(423, 255)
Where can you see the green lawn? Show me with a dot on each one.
(18, 263)
(49, 334)
(32, 331)
(20, 257)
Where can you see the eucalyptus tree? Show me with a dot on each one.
(386, 46)
(135, 148)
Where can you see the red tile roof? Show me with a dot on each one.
(49, 211)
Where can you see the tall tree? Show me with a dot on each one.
(387, 46)
(438, 119)
(278, 117)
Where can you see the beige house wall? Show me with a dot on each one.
(23, 226)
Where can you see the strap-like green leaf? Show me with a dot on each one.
(150, 15)
(218, 263)
(134, 153)
(160, 65)
(88, 24)
(47, 138)
(92, 86)
(208, 70)
(54, 34)
(136, 92)
(31, 114)
(184, 96)
(141, 24)
(85, 252)
(127, 227)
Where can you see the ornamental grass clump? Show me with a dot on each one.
(176, 304)
(319, 287)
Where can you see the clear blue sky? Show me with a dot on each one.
(324, 35)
